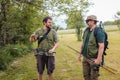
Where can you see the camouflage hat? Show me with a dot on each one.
(92, 17)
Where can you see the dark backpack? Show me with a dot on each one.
(106, 37)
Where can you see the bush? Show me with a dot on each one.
(4, 60)
(16, 50)
(11, 52)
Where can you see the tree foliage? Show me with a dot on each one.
(75, 11)
(109, 23)
(18, 18)
(117, 19)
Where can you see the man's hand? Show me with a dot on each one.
(97, 61)
(32, 38)
(51, 51)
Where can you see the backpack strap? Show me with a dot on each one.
(86, 29)
(84, 32)
(44, 36)
(95, 34)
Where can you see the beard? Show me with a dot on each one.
(48, 26)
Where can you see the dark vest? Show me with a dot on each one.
(92, 49)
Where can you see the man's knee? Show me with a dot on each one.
(95, 76)
(86, 76)
(49, 72)
(40, 72)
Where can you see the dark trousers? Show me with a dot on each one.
(43, 60)
(90, 70)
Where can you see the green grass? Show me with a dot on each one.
(67, 66)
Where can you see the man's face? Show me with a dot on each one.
(48, 23)
(90, 23)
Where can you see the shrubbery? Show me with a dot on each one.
(10, 53)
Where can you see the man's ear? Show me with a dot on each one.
(44, 23)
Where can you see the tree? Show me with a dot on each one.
(117, 19)
(74, 11)
(76, 21)
(18, 18)
(109, 23)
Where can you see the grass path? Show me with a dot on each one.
(67, 66)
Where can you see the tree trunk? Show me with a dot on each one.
(3, 31)
(79, 33)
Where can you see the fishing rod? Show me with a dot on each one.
(111, 70)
